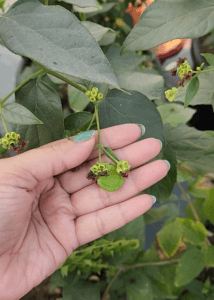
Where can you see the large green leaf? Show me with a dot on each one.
(165, 20)
(55, 39)
(120, 108)
(188, 142)
(197, 202)
(169, 238)
(150, 85)
(208, 251)
(82, 3)
(163, 188)
(191, 91)
(77, 100)
(18, 114)
(126, 62)
(81, 290)
(190, 266)
(44, 102)
(193, 232)
(174, 113)
(205, 92)
(77, 120)
(99, 32)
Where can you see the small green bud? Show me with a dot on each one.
(123, 166)
(198, 68)
(88, 93)
(13, 135)
(93, 93)
(92, 99)
(171, 94)
(99, 96)
(95, 89)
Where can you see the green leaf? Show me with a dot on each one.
(166, 20)
(77, 120)
(77, 100)
(192, 90)
(183, 175)
(205, 92)
(163, 188)
(212, 102)
(156, 214)
(187, 142)
(64, 271)
(99, 32)
(18, 114)
(141, 288)
(91, 12)
(109, 152)
(193, 232)
(2, 150)
(209, 58)
(59, 48)
(126, 62)
(150, 85)
(190, 266)
(209, 206)
(198, 203)
(175, 114)
(81, 290)
(120, 108)
(169, 238)
(44, 102)
(112, 182)
(208, 251)
(81, 3)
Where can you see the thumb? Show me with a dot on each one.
(48, 161)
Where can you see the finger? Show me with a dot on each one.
(136, 154)
(94, 225)
(39, 164)
(93, 198)
(113, 137)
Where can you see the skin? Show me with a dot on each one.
(47, 210)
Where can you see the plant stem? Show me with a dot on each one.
(82, 89)
(192, 207)
(125, 268)
(92, 120)
(40, 72)
(46, 2)
(98, 127)
(5, 127)
(105, 295)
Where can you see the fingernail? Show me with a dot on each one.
(142, 128)
(153, 199)
(84, 136)
(160, 143)
(168, 164)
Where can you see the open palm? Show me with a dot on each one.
(47, 210)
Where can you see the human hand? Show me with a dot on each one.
(47, 210)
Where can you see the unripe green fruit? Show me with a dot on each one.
(13, 135)
(95, 89)
(93, 99)
(112, 182)
(99, 96)
(94, 93)
(5, 141)
(7, 136)
(88, 93)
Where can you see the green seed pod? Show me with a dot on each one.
(171, 94)
(99, 96)
(112, 182)
(92, 99)
(94, 93)
(95, 89)
(88, 93)
(13, 142)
